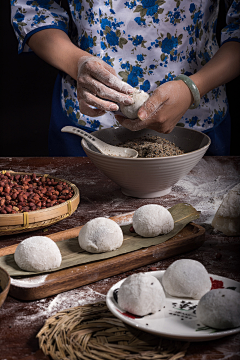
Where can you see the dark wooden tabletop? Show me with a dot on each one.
(203, 188)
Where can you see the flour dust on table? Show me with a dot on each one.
(227, 217)
(206, 185)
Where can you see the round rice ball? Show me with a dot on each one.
(38, 253)
(141, 294)
(152, 220)
(186, 278)
(220, 309)
(100, 235)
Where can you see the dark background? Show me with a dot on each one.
(26, 93)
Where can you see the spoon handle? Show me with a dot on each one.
(90, 138)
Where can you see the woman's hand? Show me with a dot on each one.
(163, 110)
(98, 86)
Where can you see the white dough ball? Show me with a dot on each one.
(141, 294)
(219, 309)
(131, 111)
(100, 235)
(186, 278)
(38, 253)
(152, 220)
(227, 217)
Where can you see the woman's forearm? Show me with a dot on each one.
(55, 47)
(98, 87)
(222, 68)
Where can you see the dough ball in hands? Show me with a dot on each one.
(219, 309)
(152, 220)
(227, 217)
(141, 294)
(100, 235)
(131, 111)
(38, 253)
(186, 278)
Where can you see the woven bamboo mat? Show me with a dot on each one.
(91, 332)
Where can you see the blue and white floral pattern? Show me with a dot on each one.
(148, 42)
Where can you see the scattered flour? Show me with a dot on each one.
(30, 282)
(45, 308)
(126, 219)
(205, 190)
(227, 217)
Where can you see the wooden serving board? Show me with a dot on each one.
(41, 286)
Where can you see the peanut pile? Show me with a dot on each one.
(24, 193)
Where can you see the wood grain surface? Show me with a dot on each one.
(66, 234)
(203, 188)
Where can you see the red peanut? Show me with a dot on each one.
(19, 193)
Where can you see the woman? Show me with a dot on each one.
(105, 48)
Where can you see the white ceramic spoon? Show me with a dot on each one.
(103, 147)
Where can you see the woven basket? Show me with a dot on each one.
(34, 220)
(92, 332)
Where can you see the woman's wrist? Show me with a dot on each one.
(198, 82)
(193, 89)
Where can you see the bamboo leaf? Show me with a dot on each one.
(73, 255)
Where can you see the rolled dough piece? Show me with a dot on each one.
(38, 253)
(141, 294)
(227, 217)
(186, 278)
(100, 235)
(131, 111)
(219, 309)
(152, 220)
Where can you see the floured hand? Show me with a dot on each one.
(163, 110)
(99, 88)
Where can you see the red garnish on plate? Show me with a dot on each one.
(131, 229)
(129, 315)
(216, 284)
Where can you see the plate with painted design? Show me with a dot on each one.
(177, 319)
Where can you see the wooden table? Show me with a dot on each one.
(203, 188)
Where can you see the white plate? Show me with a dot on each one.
(177, 319)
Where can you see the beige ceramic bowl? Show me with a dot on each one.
(4, 284)
(148, 177)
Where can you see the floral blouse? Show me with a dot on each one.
(148, 42)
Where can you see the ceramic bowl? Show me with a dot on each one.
(4, 285)
(148, 177)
